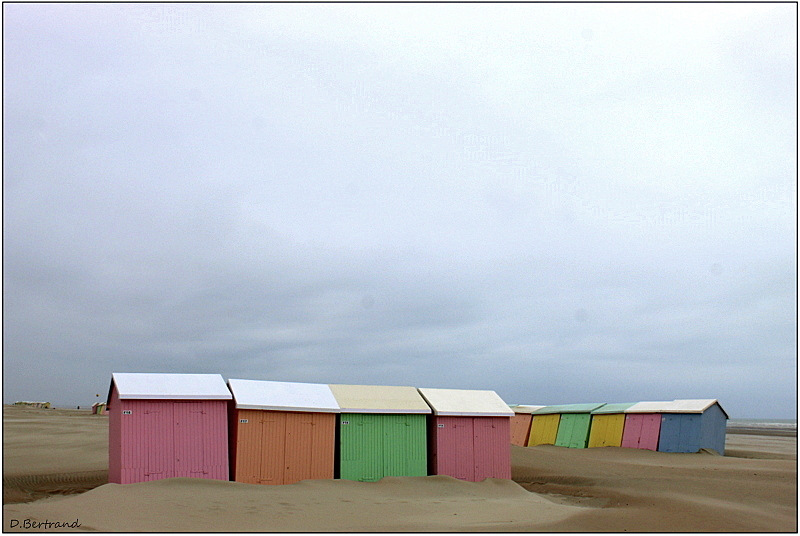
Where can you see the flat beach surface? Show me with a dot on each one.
(55, 466)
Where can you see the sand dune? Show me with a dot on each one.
(59, 454)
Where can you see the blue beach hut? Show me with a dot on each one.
(691, 425)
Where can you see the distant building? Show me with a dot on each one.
(41, 405)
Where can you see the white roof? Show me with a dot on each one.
(522, 408)
(283, 396)
(379, 399)
(692, 406)
(674, 406)
(466, 402)
(132, 385)
(648, 407)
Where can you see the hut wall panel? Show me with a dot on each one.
(298, 443)
(632, 431)
(158, 432)
(607, 430)
(492, 447)
(455, 452)
(247, 446)
(642, 430)
(520, 429)
(544, 429)
(573, 430)
(651, 429)
(114, 439)
(361, 447)
(680, 432)
(164, 439)
(273, 447)
(565, 426)
(405, 445)
(690, 433)
(215, 435)
(188, 440)
(309, 446)
(580, 433)
(322, 446)
(713, 424)
(376, 445)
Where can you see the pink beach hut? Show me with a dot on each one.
(167, 425)
(642, 425)
(469, 434)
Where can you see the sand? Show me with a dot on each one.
(52, 457)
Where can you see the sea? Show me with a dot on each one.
(770, 426)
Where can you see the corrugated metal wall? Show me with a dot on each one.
(471, 448)
(165, 439)
(641, 430)
(453, 447)
(114, 438)
(544, 429)
(372, 446)
(281, 447)
(606, 430)
(713, 425)
(309, 446)
(520, 429)
(492, 440)
(573, 430)
(680, 432)
(246, 446)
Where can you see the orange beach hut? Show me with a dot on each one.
(281, 432)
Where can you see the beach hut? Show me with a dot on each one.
(691, 425)
(608, 423)
(574, 425)
(99, 408)
(281, 432)
(469, 434)
(643, 425)
(544, 426)
(521, 424)
(381, 432)
(167, 425)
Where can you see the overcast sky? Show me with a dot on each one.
(565, 203)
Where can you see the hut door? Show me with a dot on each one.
(650, 428)
(299, 446)
(404, 445)
(190, 437)
(159, 462)
(361, 440)
(492, 447)
(566, 428)
(455, 439)
(273, 450)
(248, 446)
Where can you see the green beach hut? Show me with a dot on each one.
(574, 425)
(381, 432)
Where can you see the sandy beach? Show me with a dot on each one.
(55, 466)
